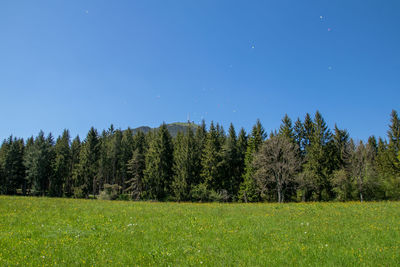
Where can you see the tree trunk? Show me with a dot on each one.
(279, 195)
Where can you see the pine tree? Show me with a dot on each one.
(38, 161)
(286, 128)
(318, 165)
(185, 160)
(71, 181)
(136, 166)
(248, 189)
(89, 165)
(13, 169)
(394, 132)
(341, 141)
(241, 148)
(299, 134)
(394, 143)
(159, 161)
(231, 163)
(61, 166)
(127, 148)
(211, 161)
(115, 156)
(308, 131)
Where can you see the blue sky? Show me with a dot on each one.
(77, 64)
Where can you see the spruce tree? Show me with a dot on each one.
(318, 165)
(231, 163)
(127, 148)
(71, 181)
(61, 166)
(286, 128)
(248, 189)
(38, 163)
(13, 169)
(185, 160)
(89, 165)
(298, 132)
(211, 161)
(159, 161)
(136, 166)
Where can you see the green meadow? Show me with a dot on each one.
(70, 232)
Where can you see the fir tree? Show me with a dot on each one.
(89, 165)
(136, 166)
(71, 181)
(231, 163)
(248, 190)
(318, 165)
(211, 161)
(185, 160)
(38, 161)
(61, 166)
(159, 161)
(13, 169)
(286, 128)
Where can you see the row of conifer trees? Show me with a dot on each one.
(301, 161)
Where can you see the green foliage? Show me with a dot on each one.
(61, 165)
(318, 158)
(38, 162)
(136, 166)
(201, 165)
(184, 168)
(89, 164)
(12, 169)
(248, 191)
(110, 192)
(159, 161)
(211, 161)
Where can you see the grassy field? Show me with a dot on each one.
(45, 231)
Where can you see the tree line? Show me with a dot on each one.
(301, 161)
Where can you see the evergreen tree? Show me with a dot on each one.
(116, 158)
(61, 166)
(38, 162)
(241, 148)
(318, 165)
(185, 160)
(127, 148)
(231, 163)
(212, 168)
(248, 190)
(13, 170)
(159, 161)
(136, 166)
(73, 178)
(341, 141)
(89, 165)
(286, 128)
(308, 131)
(298, 132)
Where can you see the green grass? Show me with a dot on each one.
(45, 231)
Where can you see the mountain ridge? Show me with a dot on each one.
(173, 128)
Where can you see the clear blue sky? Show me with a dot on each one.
(77, 64)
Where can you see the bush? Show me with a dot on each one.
(78, 192)
(124, 197)
(220, 196)
(200, 193)
(110, 192)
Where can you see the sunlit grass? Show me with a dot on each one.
(45, 231)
